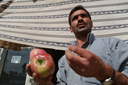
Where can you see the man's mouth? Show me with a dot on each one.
(81, 25)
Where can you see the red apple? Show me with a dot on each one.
(43, 65)
(35, 52)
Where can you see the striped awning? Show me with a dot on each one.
(44, 23)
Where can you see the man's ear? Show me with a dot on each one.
(91, 23)
(71, 29)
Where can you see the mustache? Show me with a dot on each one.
(81, 22)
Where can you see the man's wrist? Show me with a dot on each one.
(105, 73)
(109, 80)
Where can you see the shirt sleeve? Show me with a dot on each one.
(119, 53)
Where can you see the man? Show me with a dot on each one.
(89, 60)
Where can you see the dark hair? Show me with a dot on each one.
(78, 7)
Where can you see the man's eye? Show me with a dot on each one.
(83, 15)
(74, 18)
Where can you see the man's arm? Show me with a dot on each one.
(117, 78)
(88, 64)
(120, 79)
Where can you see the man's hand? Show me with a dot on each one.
(87, 64)
(36, 78)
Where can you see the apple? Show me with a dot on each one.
(42, 64)
(35, 52)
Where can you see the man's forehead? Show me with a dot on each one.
(78, 12)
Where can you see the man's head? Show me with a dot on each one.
(78, 7)
(80, 21)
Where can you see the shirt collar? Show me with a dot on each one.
(90, 39)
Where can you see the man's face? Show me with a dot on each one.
(80, 23)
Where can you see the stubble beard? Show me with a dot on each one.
(81, 32)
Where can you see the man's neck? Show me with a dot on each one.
(81, 41)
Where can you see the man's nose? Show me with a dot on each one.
(80, 18)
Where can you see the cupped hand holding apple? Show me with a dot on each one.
(41, 63)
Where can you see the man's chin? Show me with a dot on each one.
(83, 29)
